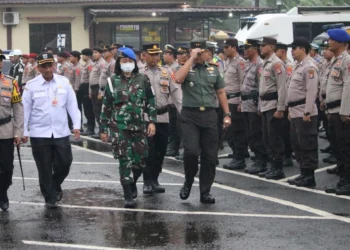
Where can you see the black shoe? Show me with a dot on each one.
(330, 189)
(96, 136)
(59, 196)
(129, 201)
(49, 205)
(334, 170)
(343, 190)
(263, 173)
(257, 167)
(237, 165)
(306, 180)
(185, 191)
(207, 198)
(331, 160)
(4, 205)
(275, 174)
(156, 188)
(288, 162)
(326, 150)
(292, 181)
(87, 133)
(134, 190)
(231, 163)
(147, 187)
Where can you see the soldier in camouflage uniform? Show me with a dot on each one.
(128, 96)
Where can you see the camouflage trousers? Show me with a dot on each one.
(131, 148)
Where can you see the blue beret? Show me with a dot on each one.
(127, 52)
(339, 35)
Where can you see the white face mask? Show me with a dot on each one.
(127, 67)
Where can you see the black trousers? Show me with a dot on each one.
(304, 142)
(220, 124)
(174, 134)
(6, 166)
(80, 101)
(157, 150)
(273, 137)
(254, 134)
(200, 137)
(83, 95)
(53, 158)
(96, 103)
(288, 150)
(236, 133)
(339, 138)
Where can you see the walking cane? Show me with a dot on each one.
(20, 164)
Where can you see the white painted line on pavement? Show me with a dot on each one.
(65, 245)
(282, 183)
(93, 139)
(278, 216)
(95, 152)
(80, 162)
(316, 171)
(264, 197)
(100, 181)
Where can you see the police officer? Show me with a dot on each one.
(250, 101)
(281, 53)
(272, 92)
(338, 107)
(46, 100)
(94, 81)
(64, 66)
(200, 82)
(128, 131)
(169, 57)
(76, 78)
(314, 53)
(83, 92)
(11, 131)
(233, 76)
(29, 71)
(163, 85)
(303, 113)
(17, 68)
(108, 70)
(32, 60)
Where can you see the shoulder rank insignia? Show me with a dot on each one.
(311, 74)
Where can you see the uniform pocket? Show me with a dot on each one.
(211, 79)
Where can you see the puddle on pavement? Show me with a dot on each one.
(93, 145)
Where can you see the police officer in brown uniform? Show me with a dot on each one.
(272, 92)
(11, 131)
(338, 107)
(94, 81)
(249, 106)
(303, 113)
(161, 79)
(109, 67)
(233, 76)
(65, 67)
(281, 53)
(84, 89)
(201, 83)
(29, 71)
(76, 78)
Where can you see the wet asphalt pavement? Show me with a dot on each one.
(250, 212)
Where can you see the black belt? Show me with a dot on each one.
(234, 95)
(250, 96)
(334, 104)
(5, 120)
(323, 96)
(297, 103)
(162, 111)
(269, 96)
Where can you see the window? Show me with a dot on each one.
(128, 34)
(188, 30)
(42, 35)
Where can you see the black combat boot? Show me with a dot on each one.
(4, 201)
(129, 201)
(344, 189)
(293, 180)
(156, 188)
(185, 190)
(207, 198)
(257, 167)
(230, 164)
(307, 178)
(137, 174)
(276, 172)
(238, 164)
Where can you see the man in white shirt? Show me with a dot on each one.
(46, 100)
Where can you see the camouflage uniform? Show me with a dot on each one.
(123, 114)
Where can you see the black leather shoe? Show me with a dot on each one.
(237, 165)
(288, 162)
(147, 187)
(185, 191)
(275, 174)
(292, 181)
(59, 196)
(87, 133)
(334, 170)
(262, 174)
(306, 180)
(156, 188)
(207, 198)
(51, 205)
(343, 190)
(331, 160)
(326, 150)
(257, 167)
(229, 164)
(4, 205)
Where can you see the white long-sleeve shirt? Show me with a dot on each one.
(46, 105)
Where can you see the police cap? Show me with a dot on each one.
(151, 48)
(45, 58)
(198, 43)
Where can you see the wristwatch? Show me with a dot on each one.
(307, 114)
(227, 114)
